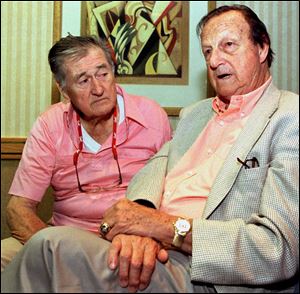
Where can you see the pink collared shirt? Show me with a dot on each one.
(47, 159)
(188, 184)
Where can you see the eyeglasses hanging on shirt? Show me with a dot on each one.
(93, 188)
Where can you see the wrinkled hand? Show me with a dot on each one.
(135, 257)
(127, 217)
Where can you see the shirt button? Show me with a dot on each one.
(168, 193)
(221, 123)
(189, 173)
(242, 114)
(209, 151)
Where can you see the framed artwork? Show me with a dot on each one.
(149, 39)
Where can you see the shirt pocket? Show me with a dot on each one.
(64, 169)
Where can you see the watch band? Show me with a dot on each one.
(177, 240)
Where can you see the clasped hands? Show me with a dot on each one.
(133, 250)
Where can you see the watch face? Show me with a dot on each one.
(183, 225)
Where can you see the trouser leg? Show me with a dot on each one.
(9, 248)
(63, 259)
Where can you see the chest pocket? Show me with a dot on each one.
(244, 197)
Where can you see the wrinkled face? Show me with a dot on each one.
(90, 84)
(235, 65)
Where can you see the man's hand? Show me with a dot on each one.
(135, 257)
(127, 217)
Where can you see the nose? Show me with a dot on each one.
(215, 59)
(97, 87)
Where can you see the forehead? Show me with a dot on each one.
(231, 22)
(90, 59)
(90, 53)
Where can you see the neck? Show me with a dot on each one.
(255, 85)
(100, 128)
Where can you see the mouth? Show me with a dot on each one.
(225, 76)
(100, 100)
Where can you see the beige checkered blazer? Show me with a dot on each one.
(247, 240)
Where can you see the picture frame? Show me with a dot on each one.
(149, 39)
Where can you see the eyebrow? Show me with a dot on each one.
(101, 66)
(205, 46)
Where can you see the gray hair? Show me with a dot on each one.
(74, 47)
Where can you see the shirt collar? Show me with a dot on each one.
(132, 111)
(240, 103)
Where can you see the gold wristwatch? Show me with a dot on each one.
(181, 228)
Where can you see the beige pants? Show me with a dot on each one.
(9, 248)
(68, 260)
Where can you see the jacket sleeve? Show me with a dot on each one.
(148, 183)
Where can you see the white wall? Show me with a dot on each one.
(166, 95)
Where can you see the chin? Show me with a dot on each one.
(105, 112)
(226, 92)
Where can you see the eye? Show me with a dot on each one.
(230, 46)
(206, 52)
(82, 82)
(101, 75)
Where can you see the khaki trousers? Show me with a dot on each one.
(9, 248)
(69, 260)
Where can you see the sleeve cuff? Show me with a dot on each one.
(144, 202)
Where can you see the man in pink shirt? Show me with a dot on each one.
(225, 189)
(86, 148)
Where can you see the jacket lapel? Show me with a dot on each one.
(253, 129)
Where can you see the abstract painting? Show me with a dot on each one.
(148, 39)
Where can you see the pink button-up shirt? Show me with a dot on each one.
(188, 184)
(47, 159)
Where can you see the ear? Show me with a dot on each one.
(62, 91)
(263, 52)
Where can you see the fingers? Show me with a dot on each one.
(131, 262)
(113, 253)
(163, 256)
(125, 259)
(136, 266)
(137, 259)
(149, 261)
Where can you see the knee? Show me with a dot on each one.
(65, 240)
(53, 236)
(48, 238)
(9, 248)
(63, 245)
